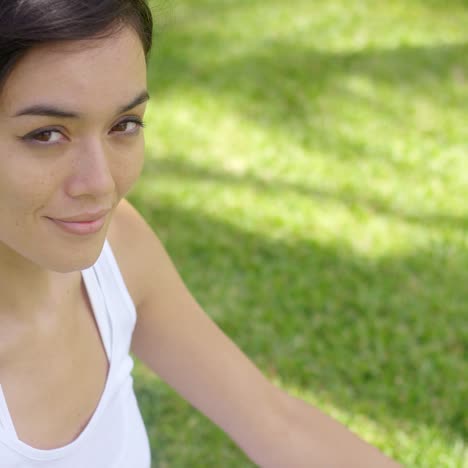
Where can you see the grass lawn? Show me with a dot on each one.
(307, 170)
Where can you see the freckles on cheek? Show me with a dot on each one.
(25, 190)
(16, 209)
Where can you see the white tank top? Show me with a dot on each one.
(115, 436)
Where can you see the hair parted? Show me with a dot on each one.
(25, 24)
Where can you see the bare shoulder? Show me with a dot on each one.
(155, 285)
(131, 238)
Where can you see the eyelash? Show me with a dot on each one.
(30, 137)
(135, 120)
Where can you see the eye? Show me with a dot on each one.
(128, 127)
(44, 137)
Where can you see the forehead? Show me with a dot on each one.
(88, 76)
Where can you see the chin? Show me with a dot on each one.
(81, 259)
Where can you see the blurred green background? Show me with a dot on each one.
(307, 171)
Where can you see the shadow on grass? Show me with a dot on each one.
(174, 166)
(279, 83)
(303, 95)
(381, 337)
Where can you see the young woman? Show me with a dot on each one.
(83, 278)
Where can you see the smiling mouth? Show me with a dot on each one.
(85, 217)
(81, 227)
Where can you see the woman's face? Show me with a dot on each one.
(70, 143)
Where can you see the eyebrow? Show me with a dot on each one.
(50, 111)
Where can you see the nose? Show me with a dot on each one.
(91, 173)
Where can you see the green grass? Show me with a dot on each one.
(307, 171)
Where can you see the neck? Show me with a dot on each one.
(27, 289)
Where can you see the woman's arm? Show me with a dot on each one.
(305, 438)
(179, 342)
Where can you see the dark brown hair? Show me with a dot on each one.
(25, 24)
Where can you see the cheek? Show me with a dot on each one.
(19, 201)
(129, 168)
(23, 182)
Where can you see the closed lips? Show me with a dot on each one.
(83, 218)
